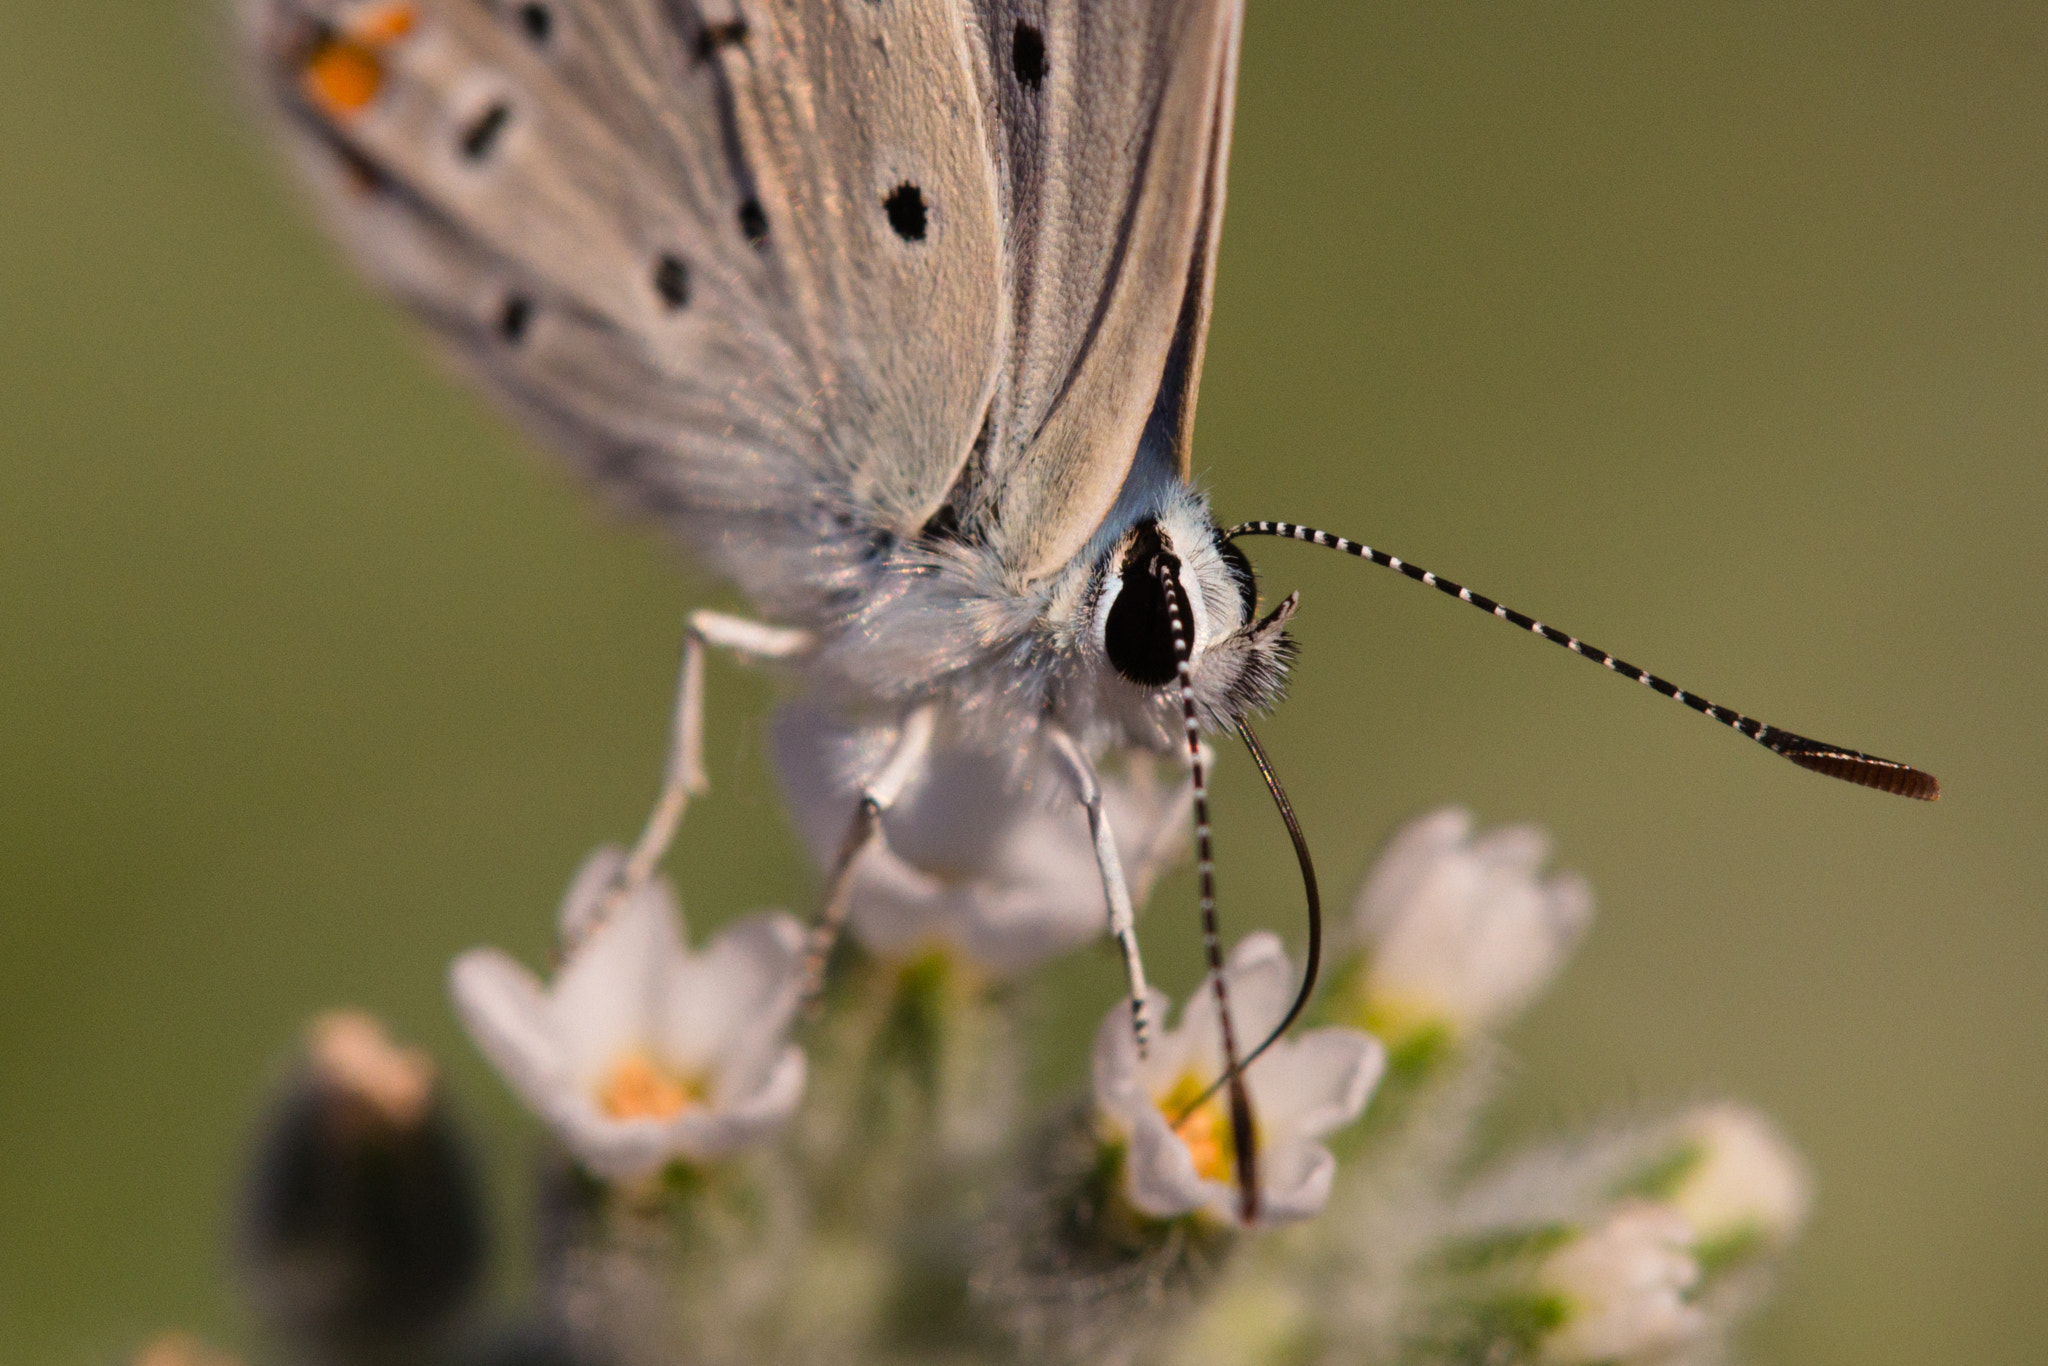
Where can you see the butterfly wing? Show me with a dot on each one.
(743, 261)
(1112, 128)
(776, 269)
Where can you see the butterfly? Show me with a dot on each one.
(893, 311)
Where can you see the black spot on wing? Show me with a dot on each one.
(712, 37)
(515, 318)
(537, 22)
(1027, 56)
(672, 281)
(906, 210)
(484, 130)
(754, 223)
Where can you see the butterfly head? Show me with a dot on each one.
(1176, 570)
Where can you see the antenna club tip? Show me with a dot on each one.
(1884, 775)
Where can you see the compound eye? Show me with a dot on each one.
(1138, 636)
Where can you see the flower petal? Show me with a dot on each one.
(1512, 851)
(730, 999)
(605, 996)
(706, 1133)
(587, 890)
(1039, 895)
(1160, 1177)
(1294, 1181)
(503, 1008)
(1460, 931)
(1747, 1180)
(1124, 1082)
(613, 1149)
(1308, 1086)
(1261, 986)
(1408, 861)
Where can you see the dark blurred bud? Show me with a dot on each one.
(363, 1227)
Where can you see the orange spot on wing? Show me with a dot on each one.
(381, 24)
(343, 74)
(342, 77)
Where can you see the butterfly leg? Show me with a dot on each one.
(684, 777)
(906, 758)
(1123, 921)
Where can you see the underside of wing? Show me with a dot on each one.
(1111, 126)
(742, 261)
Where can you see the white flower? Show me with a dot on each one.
(1746, 1184)
(1460, 933)
(640, 1052)
(1301, 1089)
(978, 856)
(1622, 1286)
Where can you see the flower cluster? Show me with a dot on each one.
(743, 1179)
(1633, 1244)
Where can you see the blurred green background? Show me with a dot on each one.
(1714, 333)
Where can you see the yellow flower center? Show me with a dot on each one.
(1206, 1130)
(637, 1087)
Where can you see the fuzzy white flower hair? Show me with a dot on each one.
(995, 864)
(641, 1053)
(1301, 1089)
(1462, 931)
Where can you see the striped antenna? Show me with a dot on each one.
(1853, 766)
(1243, 1133)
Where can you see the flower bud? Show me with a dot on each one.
(363, 1226)
(1459, 933)
(1742, 1186)
(1619, 1289)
